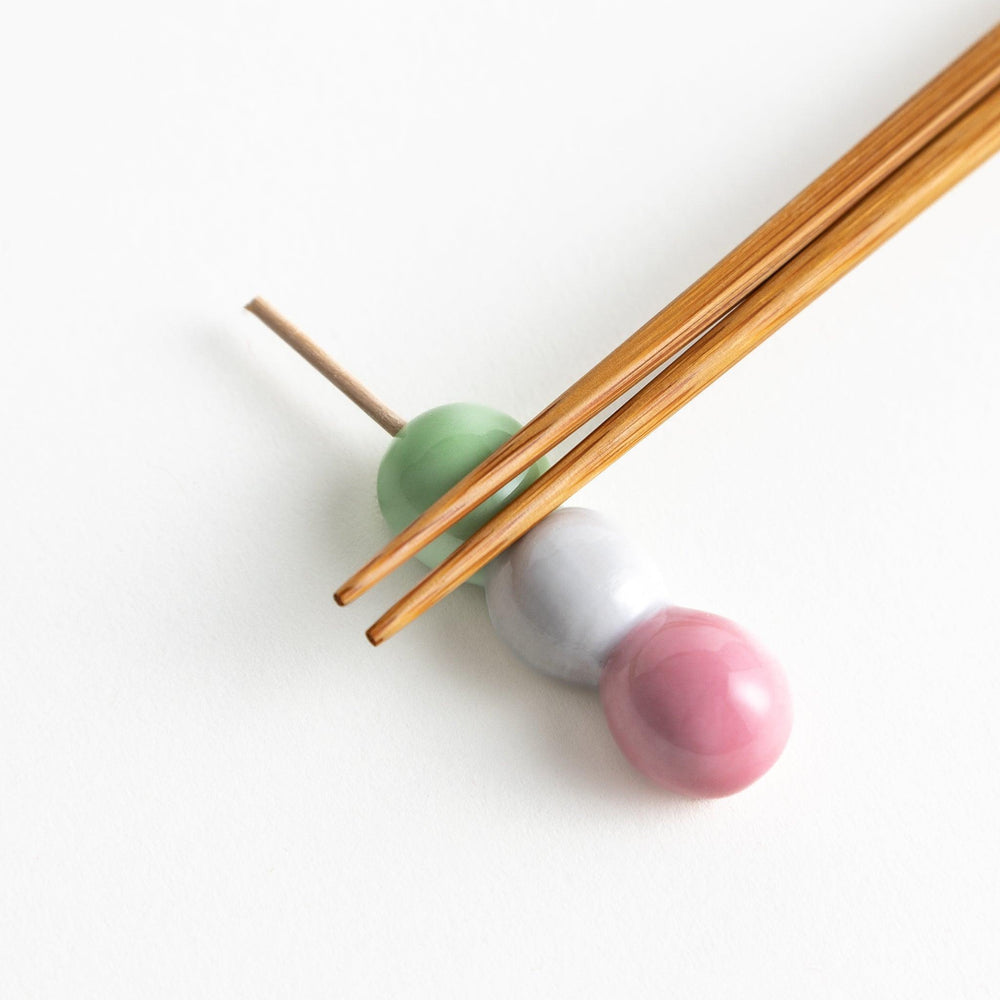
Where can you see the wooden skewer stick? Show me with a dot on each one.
(963, 147)
(358, 393)
(806, 216)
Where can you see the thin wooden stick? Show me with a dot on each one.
(356, 391)
(852, 177)
(916, 185)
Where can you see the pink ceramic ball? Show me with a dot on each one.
(695, 703)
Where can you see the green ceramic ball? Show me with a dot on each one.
(433, 452)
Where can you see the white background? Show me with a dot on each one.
(210, 785)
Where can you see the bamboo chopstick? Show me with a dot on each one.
(944, 162)
(905, 132)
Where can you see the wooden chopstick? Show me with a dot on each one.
(945, 161)
(818, 206)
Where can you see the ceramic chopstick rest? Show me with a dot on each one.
(691, 699)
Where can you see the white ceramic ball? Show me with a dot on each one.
(566, 593)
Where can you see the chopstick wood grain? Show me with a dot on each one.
(945, 161)
(852, 177)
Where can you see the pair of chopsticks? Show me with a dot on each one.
(930, 143)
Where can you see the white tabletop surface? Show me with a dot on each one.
(210, 784)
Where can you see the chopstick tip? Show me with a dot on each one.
(386, 627)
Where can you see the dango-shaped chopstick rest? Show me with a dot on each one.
(691, 699)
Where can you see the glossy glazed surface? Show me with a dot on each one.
(434, 451)
(567, 592)
(695, 703)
